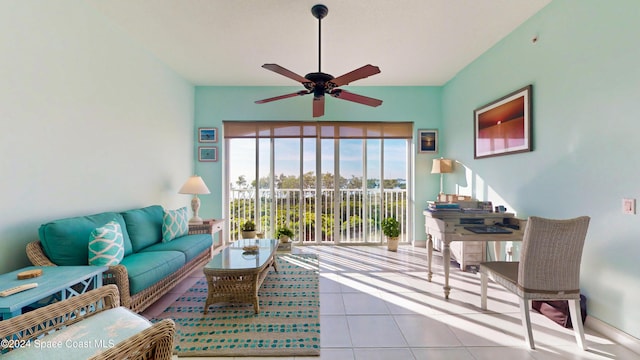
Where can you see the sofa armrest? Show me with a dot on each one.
(36, 254)
(155, 342)
(118, 276)
(30, 325)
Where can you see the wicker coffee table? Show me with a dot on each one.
(235, 275)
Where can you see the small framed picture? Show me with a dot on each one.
(208, 153)
(208, 135)
(428, 141)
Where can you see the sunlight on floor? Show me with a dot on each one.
(378, 305)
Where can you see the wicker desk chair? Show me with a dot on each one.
(549, 269)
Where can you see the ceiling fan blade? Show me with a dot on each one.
(286, 96)
(318, 106)
(360, 99)
(285, 72)
(357, 74)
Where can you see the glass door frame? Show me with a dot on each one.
(408, 231)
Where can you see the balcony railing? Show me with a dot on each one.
(351, 216)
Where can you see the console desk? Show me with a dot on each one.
(448, 227)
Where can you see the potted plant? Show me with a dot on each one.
(284, 233)
(248, 229)
(391, 229)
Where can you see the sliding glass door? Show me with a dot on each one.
(327, 189)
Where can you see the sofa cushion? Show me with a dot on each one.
(144, 226)
(174, 224)
(147, 268)
(106, 247)
(66, 241)
(191, 245)
(85, 338)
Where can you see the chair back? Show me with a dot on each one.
(551, 255)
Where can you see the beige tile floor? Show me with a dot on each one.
(377, 305)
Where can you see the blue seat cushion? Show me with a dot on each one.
(190, 245)
(146, 269)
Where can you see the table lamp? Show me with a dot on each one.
(442, 166)
(194, 186)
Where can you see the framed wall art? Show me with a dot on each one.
(503, 126)
(428, 141)
(208, 135)
(208, 153)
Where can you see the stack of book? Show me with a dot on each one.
(442, 206)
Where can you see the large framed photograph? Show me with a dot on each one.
(428, 141)
(208, 135)
(503, 126)
(208, 153)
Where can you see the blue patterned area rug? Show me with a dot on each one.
(288, 323)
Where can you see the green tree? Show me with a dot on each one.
(241, 182)
(263, 182)
(327, 181)
(390, 183)
(288, 182)
(355, 182)
(309, 180)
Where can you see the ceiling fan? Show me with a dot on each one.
(319, 83)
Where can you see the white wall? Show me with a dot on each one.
(89, 121)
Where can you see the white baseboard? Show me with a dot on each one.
(419, 243)
(614, 334)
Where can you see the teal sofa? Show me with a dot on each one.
(149, 268)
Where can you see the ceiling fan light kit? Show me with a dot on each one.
(319, 83)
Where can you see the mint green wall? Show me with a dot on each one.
(88, 121)
(586, 80)
(420, 105)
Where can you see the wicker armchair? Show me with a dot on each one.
(155, 342)
(549, 269)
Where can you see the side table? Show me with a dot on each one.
(210, 226)
(59, 281)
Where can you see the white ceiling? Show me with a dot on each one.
(225, 42)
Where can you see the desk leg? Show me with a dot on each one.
(429, 256)
(496, 250)
(446, 259)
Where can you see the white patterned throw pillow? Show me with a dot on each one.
(106, 245)
(174, 224)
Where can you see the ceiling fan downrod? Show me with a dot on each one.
(319, 11)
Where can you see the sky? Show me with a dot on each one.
(287, 160)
